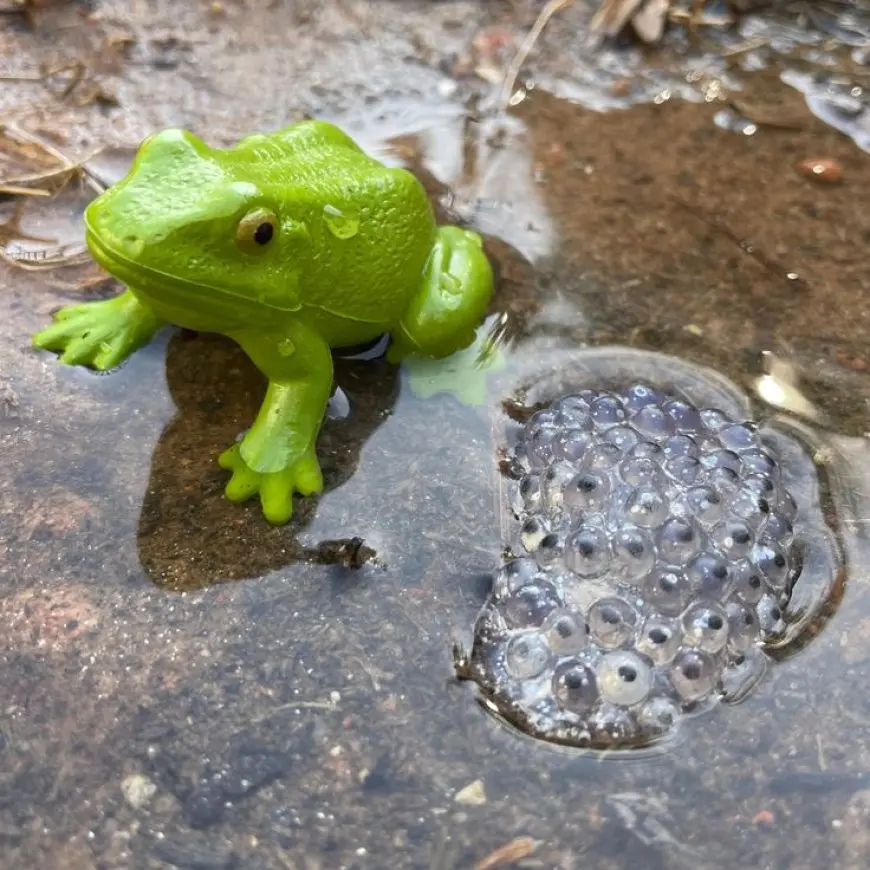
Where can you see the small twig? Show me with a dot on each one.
(12, 190)
(63, 173)
(41, 261)
(66, 165)
(552, 7)
(773, 266)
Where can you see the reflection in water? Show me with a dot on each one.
(189, 535)
(198, 694)
(658, 543)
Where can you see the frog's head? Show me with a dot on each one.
(192, 231)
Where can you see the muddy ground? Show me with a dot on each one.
(184, 686)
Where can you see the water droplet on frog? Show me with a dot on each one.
(286, 347)
(450, 284)
(343, 225)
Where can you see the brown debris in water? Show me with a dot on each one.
(30, 166)
(821, 169)
(515, 850)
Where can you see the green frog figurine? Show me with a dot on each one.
(290, 243)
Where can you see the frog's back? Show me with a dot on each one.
(371, 227)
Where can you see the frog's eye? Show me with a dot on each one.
(256, 229)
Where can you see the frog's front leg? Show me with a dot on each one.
(444, 315)
(277, 456)
(100, 334)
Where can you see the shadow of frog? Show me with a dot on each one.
(189, 535)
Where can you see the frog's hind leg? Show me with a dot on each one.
(452, 300)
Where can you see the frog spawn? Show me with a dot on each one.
(660, 553)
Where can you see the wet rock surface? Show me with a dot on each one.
(144, 611)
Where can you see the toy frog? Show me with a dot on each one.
(290, 243)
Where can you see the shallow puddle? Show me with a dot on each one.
(186, 686)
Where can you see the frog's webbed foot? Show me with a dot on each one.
(100, 334)
(275, 488)
(443, 317)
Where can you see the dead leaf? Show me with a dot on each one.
(521, 847)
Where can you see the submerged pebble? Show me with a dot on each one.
(661, 547)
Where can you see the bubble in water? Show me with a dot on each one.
(529, 606)
(587, 493)
(705, 503)
(602, 457)
(653, 423)
(743, 628)
(739, 436)
(574, 686)
(770, 619)
(538, 440)
(705, 625)
(572, 414)
(528, 495)
(659, 639)
(612, 622)
(751, 508)
(709, 575)
(693, 675)
(639, 396)
(606, 411)
(722, 459)
(686, 417)
(514, 575)
(714, 419)
(572, 445)
(748, 582)
(772, 564)
(526, 655)
(570, 408)
(647, 450)
(587, 552)
(725, 481)
(734, 538)
(764, 487)
(553, 483)
(565, 632)
(647, 507)
(342, 224)
(668, 591)
(679, 540)
(534, 530)
(658, 715)
(642, 471)
(622, 437)
(759, 462)
(624, 678)
(633, 554)
(684, 469)
(779, 528)
(679, 445)
(550, 550)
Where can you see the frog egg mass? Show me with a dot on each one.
(657, 548)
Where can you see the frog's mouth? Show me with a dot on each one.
(145, 278)
(159, 285)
